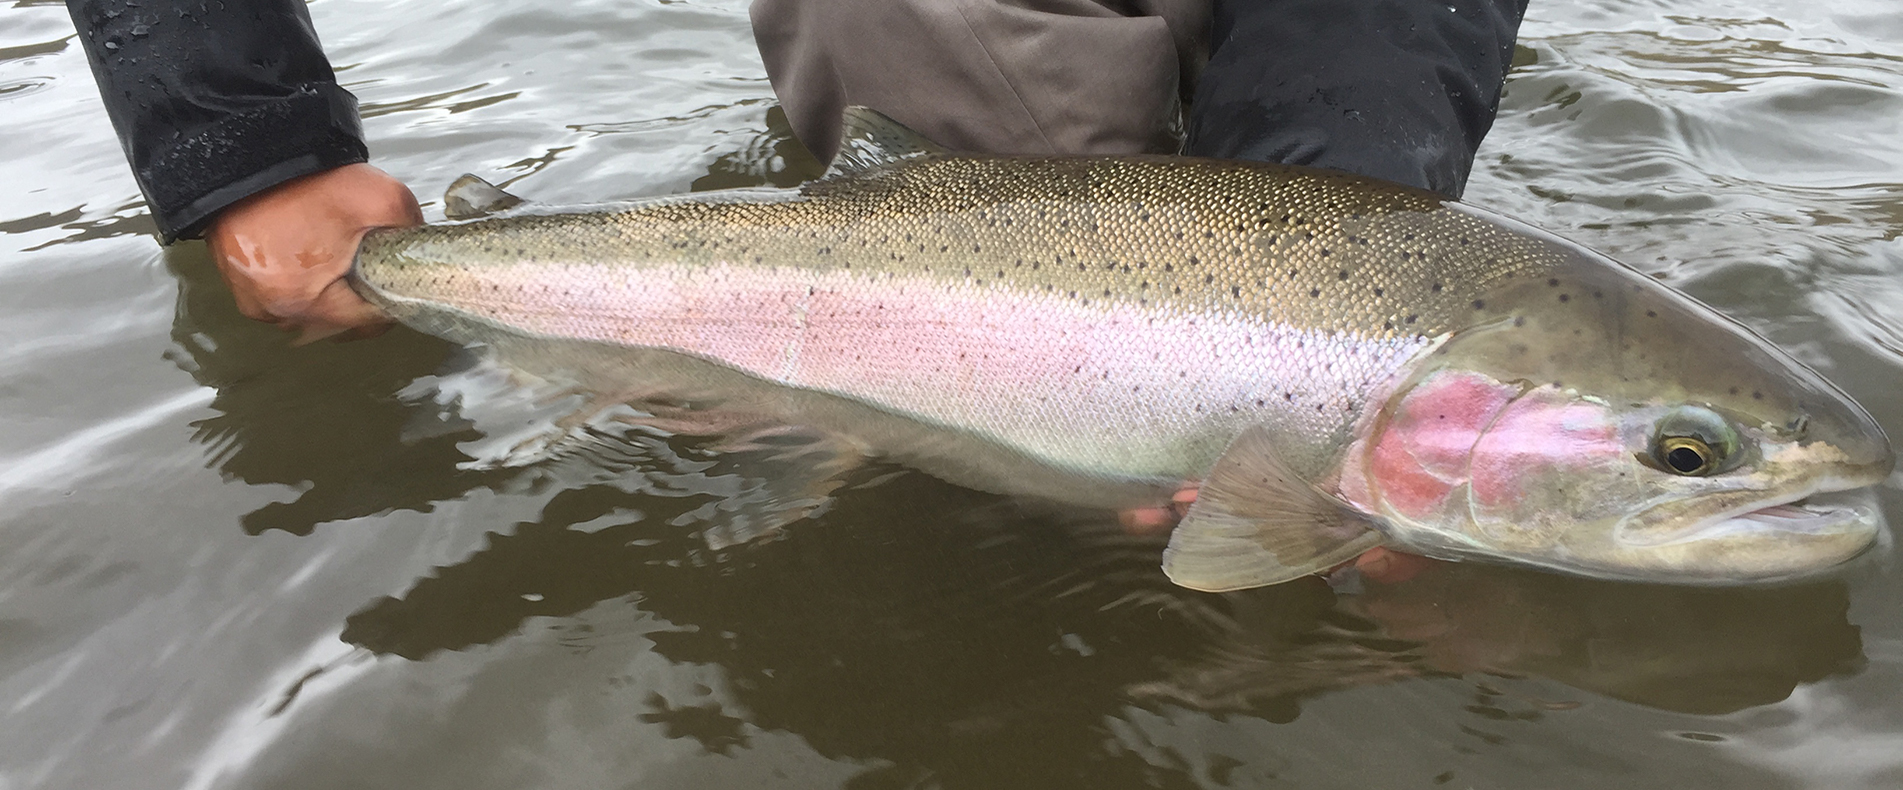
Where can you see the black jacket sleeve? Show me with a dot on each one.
(216, 100)
(1397, 89)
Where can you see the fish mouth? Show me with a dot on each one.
(1812, 513)
(1803, 516)
(1754, 542)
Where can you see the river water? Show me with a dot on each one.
(226, 562)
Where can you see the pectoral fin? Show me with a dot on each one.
(1255, 523)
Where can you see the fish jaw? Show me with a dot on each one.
(1761, 531)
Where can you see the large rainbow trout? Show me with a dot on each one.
(1342, 362)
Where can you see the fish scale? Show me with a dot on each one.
(1114, 246)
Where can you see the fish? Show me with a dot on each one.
(1339, 362)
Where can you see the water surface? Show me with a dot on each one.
(229, 563)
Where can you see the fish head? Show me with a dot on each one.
(1624, 431)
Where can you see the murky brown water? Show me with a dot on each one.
(228, 563)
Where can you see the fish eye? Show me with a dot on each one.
(1692, 441)
(1685, 455)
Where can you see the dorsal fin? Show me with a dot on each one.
(868, 139)
(470, 197)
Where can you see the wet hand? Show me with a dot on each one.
(285, 251)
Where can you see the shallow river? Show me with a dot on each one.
(230, 563)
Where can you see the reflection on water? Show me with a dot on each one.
(315, 581)
(351, 447)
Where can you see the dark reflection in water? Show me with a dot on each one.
(975, 639)
(323, 418)
(773, 158)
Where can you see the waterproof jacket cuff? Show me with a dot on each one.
(307, 132)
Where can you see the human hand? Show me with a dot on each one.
(285, 251)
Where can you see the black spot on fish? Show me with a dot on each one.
(1651, 314)
(1235, 291)
(1436, 287)
(1314, 292)
(1410, 319)
(1553, 282)
(1756, 395)
(1519, 320)
(1378, 291)
(1480, 304)
(1565, 297)
(1734, 390)
(1342, 275)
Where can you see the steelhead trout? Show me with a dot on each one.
(1342, 362)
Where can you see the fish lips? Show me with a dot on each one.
(1747, 537)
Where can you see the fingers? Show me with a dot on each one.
(1151, 520)
(1146, 520)
(338, 312)
(285, 251)
(1387, 566)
